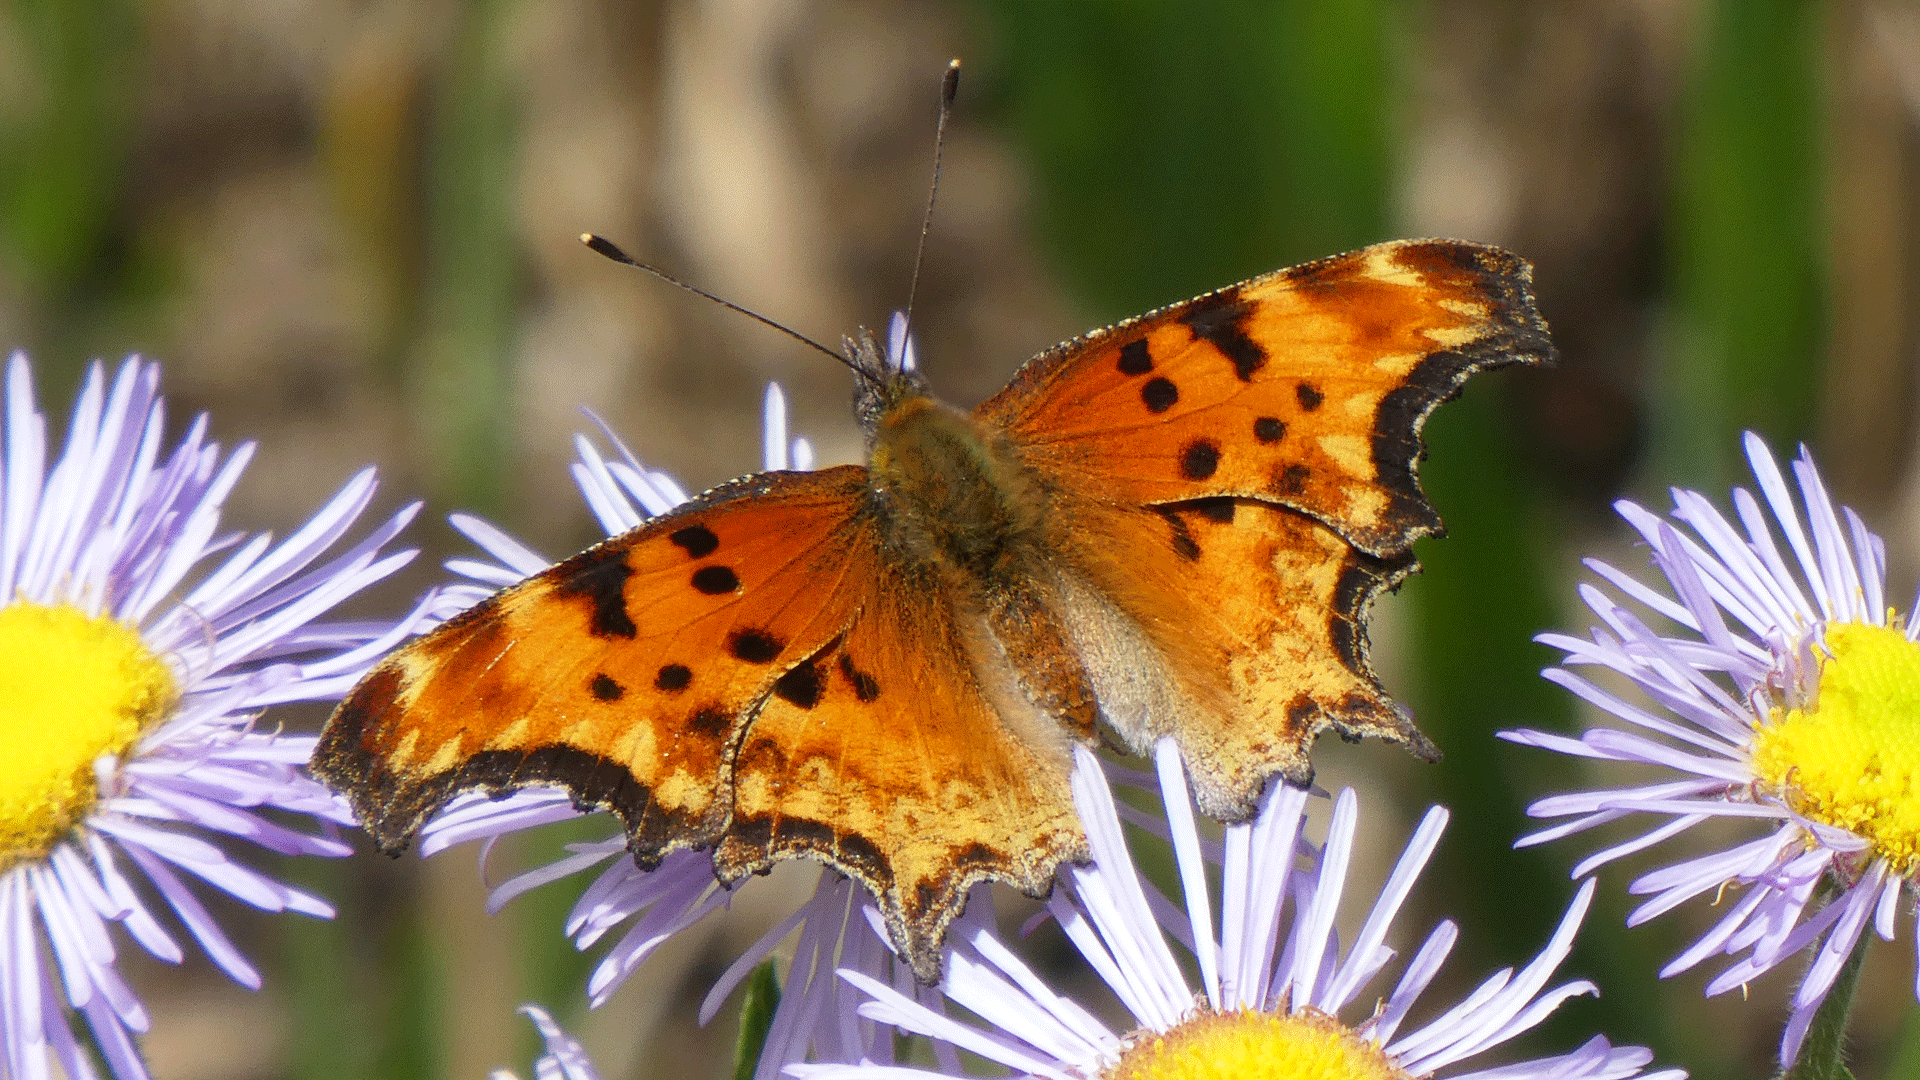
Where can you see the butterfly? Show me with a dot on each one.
(1172, 527)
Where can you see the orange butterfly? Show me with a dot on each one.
(1170, 527)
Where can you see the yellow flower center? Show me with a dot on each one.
(1853, 760)
(1246, 1045)
(72, 687)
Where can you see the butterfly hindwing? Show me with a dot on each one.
(1306, 387)
(1266, 611)
(884, 755)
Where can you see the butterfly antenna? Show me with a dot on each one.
(612, 251)
(949, 87)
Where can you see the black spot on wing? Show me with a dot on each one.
(802, 686)
(1309, 396)
(599, 574)
(1184, 544)
(673, 678)
(710, 722)
(754, 646)
(605, 688)
(1301, 712)
(1220, 321)
(865, 687)
(1134, 358)
(1199, 459)
(926, 896)
(978, 854)
(762, 755)
(697, 541)
(1159, 394)
(1290, 480)
(715, 580)
(1219, 510)
(1269, 429)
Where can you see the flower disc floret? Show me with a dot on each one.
(1850, 758)
(1247, 1044)
(76, 687)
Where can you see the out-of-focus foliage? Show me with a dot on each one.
(349, 230)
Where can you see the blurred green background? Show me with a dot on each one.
(348, 229)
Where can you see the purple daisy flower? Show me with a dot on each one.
(1273, 981)
(1778, 688)
(652, 905)
(133, 673)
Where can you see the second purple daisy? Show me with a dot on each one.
(1774, 686)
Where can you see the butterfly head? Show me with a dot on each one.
(884, 378)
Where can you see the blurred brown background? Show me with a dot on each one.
(349, 231)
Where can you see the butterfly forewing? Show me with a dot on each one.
(1305, 388)
(623, 674)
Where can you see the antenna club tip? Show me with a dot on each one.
(602, 246)
(950, 82)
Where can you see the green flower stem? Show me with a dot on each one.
(1820, 1054)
